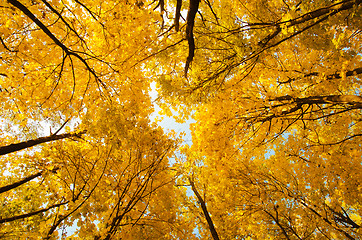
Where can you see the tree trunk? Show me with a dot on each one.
(214, 234)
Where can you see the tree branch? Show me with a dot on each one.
(22, 181)
(339, 75)
(68, 51)
(325, 219)
(26, 215)
(63, 20)
(340, 6)
(30, 15)
(333, 9)
(354, 100)
(30, 143)
(6, 47)
(276, 220)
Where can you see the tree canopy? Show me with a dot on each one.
(274, 88)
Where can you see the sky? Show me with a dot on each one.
(168, 123)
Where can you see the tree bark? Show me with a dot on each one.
(191, 14)
(22, 181)
(214, 234)
(178, 15)
(26, 215)
(339, 75)
(30, 143)
(353, 100)
(333, 9)
(58, 42)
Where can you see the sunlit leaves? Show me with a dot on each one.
(273, 87)
(269, 88)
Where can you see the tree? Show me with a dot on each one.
(107, 179)
(275, 92)
(69, 65)
(274, 88)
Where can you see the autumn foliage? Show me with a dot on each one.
(274, 88)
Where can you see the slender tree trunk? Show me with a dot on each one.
(214, 234)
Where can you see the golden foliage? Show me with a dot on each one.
(274, 89)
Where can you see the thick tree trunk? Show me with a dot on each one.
(190, 19)
(178, 15)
